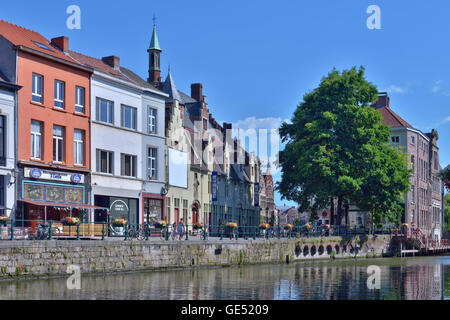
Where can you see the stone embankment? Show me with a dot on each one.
(51, 258)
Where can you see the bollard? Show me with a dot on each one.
(254, 235)
(126, 234)
(221, 233)
(12, 229)
(103, 231)
(147, 232)
(50, 234)
(187, 233)
(167, 233)
(204, 235)
(78, 232)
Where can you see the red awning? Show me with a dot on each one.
(62, 205)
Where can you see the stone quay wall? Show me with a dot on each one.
(23, 259)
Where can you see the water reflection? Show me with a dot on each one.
(412, 279)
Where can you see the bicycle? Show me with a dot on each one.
(135, 232)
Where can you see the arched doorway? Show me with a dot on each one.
(195, 212)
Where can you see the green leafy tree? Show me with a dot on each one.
(331, 145)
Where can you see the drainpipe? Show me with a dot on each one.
(16, 140)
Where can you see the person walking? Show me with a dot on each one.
(181, 229)
(174, 231)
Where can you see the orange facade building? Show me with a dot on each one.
(53, 124)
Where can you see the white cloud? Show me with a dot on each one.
(396, 89)
(436, 87)
(444, 121)
(258, 123)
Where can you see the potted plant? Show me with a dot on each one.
(118, 223)
(232, 226)
(71, 221)
(160, 224)
(3, 221)
(198, 226)
(288, 227)
(264, 226)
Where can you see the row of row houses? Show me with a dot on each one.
(87, 136)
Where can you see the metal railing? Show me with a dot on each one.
(49, 230)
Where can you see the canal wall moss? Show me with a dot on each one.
(52, 258)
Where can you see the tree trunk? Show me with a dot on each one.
(346, 214)
(332, 222)
(339, 211)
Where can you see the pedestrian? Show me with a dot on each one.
(174, 231)
(181, 229)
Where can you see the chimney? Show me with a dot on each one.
(61, 43)
(197, 91)
(383, 101)
(112, 61)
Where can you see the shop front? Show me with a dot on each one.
(63, 193)
(153, 208)
(119, 208)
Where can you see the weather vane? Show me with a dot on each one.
(154, 20)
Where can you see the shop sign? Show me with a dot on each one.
(256, 194)
(119, 208)
(53, 175)
(214, 186)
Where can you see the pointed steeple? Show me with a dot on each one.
(154, 44)
(154, 55)
(170, 88)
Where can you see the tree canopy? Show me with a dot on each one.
(337, 148)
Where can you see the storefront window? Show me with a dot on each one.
(152, 211)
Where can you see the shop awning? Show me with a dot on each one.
(62, 205)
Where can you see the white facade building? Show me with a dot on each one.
(7, 148)
(127, 143)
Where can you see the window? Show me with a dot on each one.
(152, 153)
(2, 140)
(395, 139)
(413, 194)
(78, 144)
(151, 121)
(168, 209)
(59, 94)
(413, 140)
(42, 46)
(37, 88)
(105, 161)
(435, 160)
(105, 111)
(128, 165)
(58, 144)
(413, 166)
(36, 139)
(129, 117)
(79, 99)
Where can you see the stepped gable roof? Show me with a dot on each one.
(391, 119)
(99, 65)
(20, 36)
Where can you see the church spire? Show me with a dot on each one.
(154, 54)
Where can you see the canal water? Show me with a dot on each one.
(420, 278)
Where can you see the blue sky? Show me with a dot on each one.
(256, 59)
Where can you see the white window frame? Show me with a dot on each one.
(152, 162)
(78, 91)
(133, 117)
(36, 89)
(392, 137)
(152, 120)
(133, 165)
(109, 110)
(78, 156)
(36, 135)
(109, 164)
(56, 145)
(60, 94)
